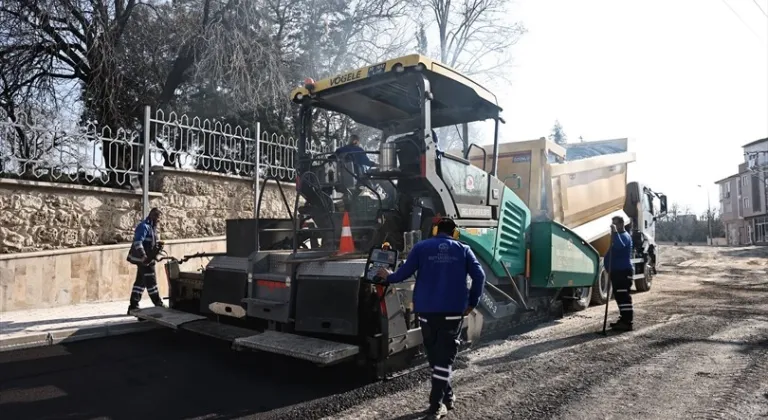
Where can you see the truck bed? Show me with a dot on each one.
(572, 185)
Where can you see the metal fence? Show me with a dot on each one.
(33, 147)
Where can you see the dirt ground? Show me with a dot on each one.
(699, 350)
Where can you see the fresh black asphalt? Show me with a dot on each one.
(159, 375)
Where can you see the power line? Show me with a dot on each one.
(742, 20)
(759, 7)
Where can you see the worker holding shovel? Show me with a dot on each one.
(620, 269)
(142, 254)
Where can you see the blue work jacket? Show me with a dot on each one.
(619, 256)
(441, 282)
(144, 240)
(356, 154)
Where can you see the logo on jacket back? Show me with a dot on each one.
(443, 255)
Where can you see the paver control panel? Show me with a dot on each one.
(380, 258)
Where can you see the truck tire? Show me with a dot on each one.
(600, 289)
(584, 295)
(644, 284)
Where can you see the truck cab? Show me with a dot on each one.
(644, 207)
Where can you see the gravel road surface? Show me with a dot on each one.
(699, 351)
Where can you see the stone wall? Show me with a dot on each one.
(37, 216)
(197, 204)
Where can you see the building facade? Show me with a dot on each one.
(754, 200)
(731, 210)
(744, 198)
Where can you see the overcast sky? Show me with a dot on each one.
(686, 78)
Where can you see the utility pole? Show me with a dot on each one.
(709, 217)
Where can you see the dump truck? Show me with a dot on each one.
(283, 287)
(583, 186)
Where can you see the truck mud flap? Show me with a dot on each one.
(321, 352)
(166, 317)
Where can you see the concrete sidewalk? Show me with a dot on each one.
(47, 327)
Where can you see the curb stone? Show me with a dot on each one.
(69, 335)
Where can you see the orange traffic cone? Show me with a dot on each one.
(347, 245)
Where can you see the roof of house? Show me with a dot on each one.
(727, 178)
(752, 143)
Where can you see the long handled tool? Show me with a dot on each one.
(608, 296)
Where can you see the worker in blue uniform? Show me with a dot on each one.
(141, 254)
(355, 153)
(441, 300)
(352, 152)
(620, 269)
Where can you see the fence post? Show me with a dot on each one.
(256, 168)
(147, 163)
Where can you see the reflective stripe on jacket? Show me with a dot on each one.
(144, 240)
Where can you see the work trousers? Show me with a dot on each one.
(441, 340)
(145, 278)
(621, 281)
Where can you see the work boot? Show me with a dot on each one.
(436, 413)
(622, 325)
(159, 304)
(132, 307)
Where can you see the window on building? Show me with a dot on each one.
(755, 193)
(751, 160)
(761, 230)
(738, 186)
(746, 203)
(725, 190)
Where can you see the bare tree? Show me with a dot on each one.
(681, 225)
(340, 36)
(227, 43)
(422, 44)
(474, 36)
(53, 42)
(228, 60)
